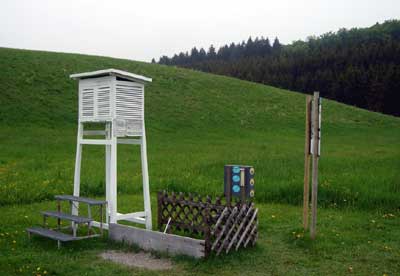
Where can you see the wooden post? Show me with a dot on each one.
(229, 188)
(306, 192)
(315, 144)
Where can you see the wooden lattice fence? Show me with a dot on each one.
(222, 227)
(236, 227)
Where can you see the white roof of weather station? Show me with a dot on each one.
(111, 72)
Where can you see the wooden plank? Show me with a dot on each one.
(94, 142)
(94, 132)
(60, 215)
(314, 193)
(157, 241)
(306, 192)
(51, 234)
(86, 200)
(129, 141)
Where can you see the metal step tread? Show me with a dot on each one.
(60, 215)
(89, 201)
(55, 235)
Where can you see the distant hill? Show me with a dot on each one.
(359, 66)
(196, 122)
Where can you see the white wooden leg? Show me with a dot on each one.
(145, 176)
(108, 186)
(77, 175)
(113, 181)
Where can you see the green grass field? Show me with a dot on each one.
(196, 123)
(350, 242)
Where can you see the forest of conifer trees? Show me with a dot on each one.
(359, 66)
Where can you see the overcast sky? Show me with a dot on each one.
(145, 29)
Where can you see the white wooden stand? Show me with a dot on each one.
(111, 143)
(112, 96)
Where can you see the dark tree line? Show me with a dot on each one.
(359, 66)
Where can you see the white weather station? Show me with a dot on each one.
(116, 99)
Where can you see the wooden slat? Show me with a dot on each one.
(129, 141)
(94, 132)
(314, 192)
(157, 241)
(51, 234)
(231, 216)
(95, 142)
(251, 234)
(232, 228)
(247, 228)
(240, 228)
(65, 216)
(306, 192)
(220, 219)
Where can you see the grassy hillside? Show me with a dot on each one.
(196, 123)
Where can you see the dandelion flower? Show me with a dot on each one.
(14, 241)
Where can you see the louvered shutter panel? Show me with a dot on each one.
(129, 106)
(103, 97)
(87, 102)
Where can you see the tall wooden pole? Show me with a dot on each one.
(315, 144)
(306, 192)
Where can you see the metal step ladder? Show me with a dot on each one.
(75, 220)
